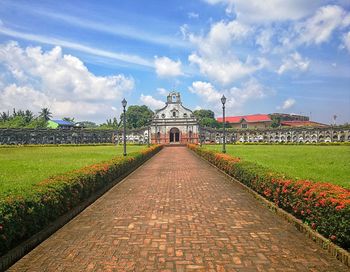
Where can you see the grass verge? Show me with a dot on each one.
(319, 163)
(21, 216)
(324, 207)
(21, 168)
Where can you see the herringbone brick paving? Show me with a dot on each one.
(177, 213)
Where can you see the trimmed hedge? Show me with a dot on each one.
(323, 206)
(23, 216)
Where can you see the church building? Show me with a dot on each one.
(174, 124)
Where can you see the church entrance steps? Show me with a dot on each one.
(174, 145)
(177, 213)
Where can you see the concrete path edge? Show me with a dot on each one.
(26, 246)
(334, 250)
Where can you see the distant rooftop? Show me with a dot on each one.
(63, 122)
(248, 118)
(302, 124)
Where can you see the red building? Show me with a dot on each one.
(248, 121)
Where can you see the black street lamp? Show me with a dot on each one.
(124, 102)
(149, 132)
(223, 101)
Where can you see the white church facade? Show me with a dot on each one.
(174, 123)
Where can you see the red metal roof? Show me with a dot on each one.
(302, 124)
(248, 118)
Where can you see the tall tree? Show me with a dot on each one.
(138, 116)
(206, 118)
(4, 116)
(45, 113)
(29, 116)
(202, 113)
(88, 124)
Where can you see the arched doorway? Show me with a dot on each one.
(174, 135)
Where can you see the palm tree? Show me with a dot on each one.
(45, 114)
(29, 116)
(4, 116)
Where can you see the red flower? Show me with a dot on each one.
(340, 207)
(333, 237)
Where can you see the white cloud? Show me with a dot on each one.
(22, 97)
(215, 56)
(127, 58)
(287, 104)
(236, 97)
(294, 62)
(205, 90)
(319, 28)
(163, 92)
(346, 41)
(192, 15)
(116, 29)
(166, 67)
(184, 31)
(263, 39)
(268, 10)
(151, 102)
(61, 82)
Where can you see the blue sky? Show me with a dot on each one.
(80, 58)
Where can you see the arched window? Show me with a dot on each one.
(174, 114)
(185, 115)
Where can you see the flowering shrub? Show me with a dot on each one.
(323, 206)
(23, 216)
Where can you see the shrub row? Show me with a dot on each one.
(323, 206)
(23, 216)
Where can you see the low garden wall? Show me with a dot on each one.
(25, 215)
(324, 207)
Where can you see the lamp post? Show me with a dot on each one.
(124, 102)
(223, 101)
(149, 132)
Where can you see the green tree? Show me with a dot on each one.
(202, 113)
(45, 113)
(4, 116)
(137, 116)
(206, 118)
(88, 124)
(38, 122)
(276, 121)
(16, 121)
(29, 116)
(110, 124)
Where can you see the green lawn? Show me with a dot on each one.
(21, 167)
(317, 163)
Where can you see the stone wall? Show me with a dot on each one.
(140, 136)
(69, 136)
(278, 135)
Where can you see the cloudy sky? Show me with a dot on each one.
(80, 58)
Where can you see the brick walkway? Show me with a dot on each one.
(176, 213)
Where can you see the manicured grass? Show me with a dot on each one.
(317, 163)
(22, 167)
